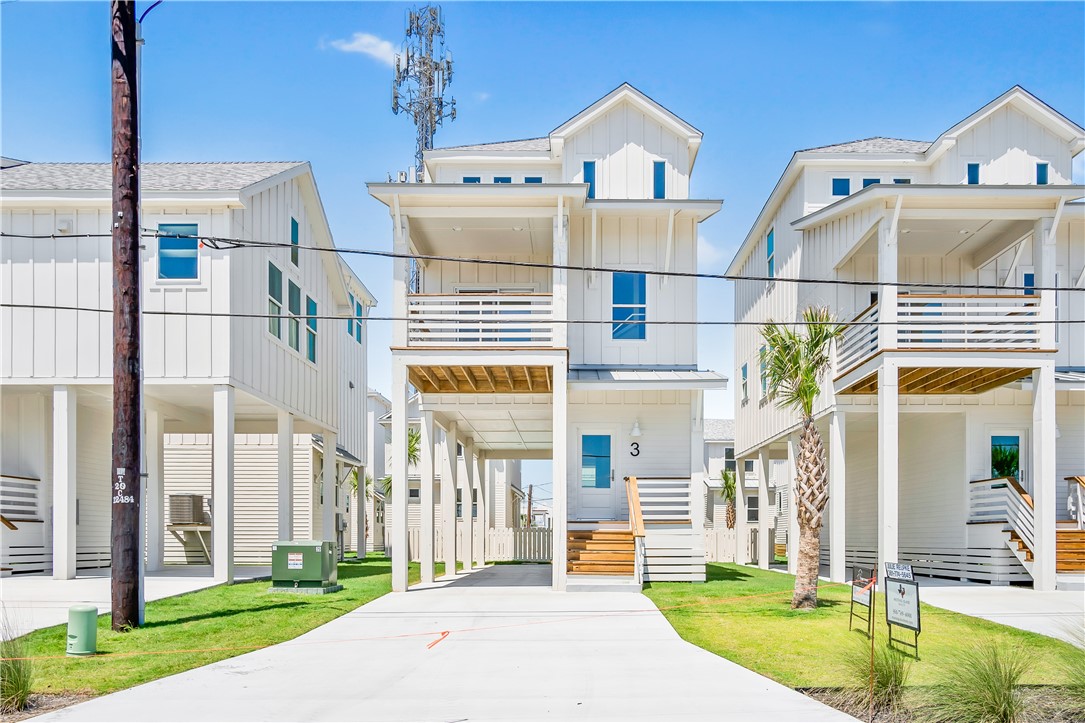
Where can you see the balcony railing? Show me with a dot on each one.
(480, 320)
(925, 322)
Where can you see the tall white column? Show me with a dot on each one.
(742, 530)
(399, 535)
(560, 276)
(837, 510)
(65, 411)
(154, 502)
(1043, 475)
(793, 504)
(329, 479)
(425, 506)
(222, 472)
(888, 465)
(481, 524)
(467, 491)
(560, 494)
(448, 499)
(887, 275)
(359, 513)
(766, 548)
(285, 448)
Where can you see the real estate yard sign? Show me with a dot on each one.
(862, 594)
(902, 602)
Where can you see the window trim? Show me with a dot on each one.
(472, 179)
(867, 182)
(846, 182)
(632, 270)
(770, 252)
(533, 179)
(659, 179)
(278, 320)
(972, 174)
(181, 281)
(310, 329)
(593, 184)
(745, 382)
(295, 242)
(502, 179)
(293, 320)
(1046, 173)
(350, 319)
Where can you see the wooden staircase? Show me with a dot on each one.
(1069, 551)
(601, 552)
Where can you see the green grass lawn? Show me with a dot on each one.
(235, 618)
(804, 649)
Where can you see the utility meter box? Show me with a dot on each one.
(307, 566)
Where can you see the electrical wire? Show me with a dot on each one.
(222, 243)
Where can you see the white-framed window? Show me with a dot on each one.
(178, 252)
(350, 320)
(745, 383)
(770, 253)
(502, 179)
(764, 371)
(751, 508)
(274, 300)
(310, 329)
(295, 241)
(293, 323)
(533, 179)
(629, 305)
(729, 458)
(747, 466)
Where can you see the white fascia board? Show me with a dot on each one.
(1027, 103)
(40, 199)
(438, 157)
(653, 385)
(701, 208)
(318, 219)
(500, 192)
(622, 93)
(883, 192)
(786, 181)
(272, 181)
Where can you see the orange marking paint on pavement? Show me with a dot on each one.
(444, 635)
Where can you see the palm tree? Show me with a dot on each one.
(414, 454)
(794, 361)
(727, 492)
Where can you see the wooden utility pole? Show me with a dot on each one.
(530, 517)
(125, 548)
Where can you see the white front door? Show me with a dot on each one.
(596, 486)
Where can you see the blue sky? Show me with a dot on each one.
(277, 81)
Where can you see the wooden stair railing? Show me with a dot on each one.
(1077, 497)
(636, 526)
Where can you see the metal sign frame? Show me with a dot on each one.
(863, 587)
(892, 584)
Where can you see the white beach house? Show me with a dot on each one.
(953, 413)
(231, 403)
(527, 359)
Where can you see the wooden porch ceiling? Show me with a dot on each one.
(943, 380)
(481, 379)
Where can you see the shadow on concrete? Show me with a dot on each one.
(525, 575)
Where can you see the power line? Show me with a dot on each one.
(222, 243)
(520, 322)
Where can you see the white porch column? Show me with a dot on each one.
(329, 479)
(222, 474)
(65, 411)
(560, 278)
(888, 465)
(285, 448)
(560, 507)
(425, 506)
(742, 531)
(467, 494)
(360, 514)
(155, 499)
(887, 275)
(766, 548)
(448, 499)
(793, 504)
(482, 524)
(1044, 258)
(399, 534)
(837, 509)
(1043, 475)
(400, 273)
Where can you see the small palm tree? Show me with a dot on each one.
(727, 492)
(414, 455)
(795, 360)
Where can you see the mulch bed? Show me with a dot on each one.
(40, 703)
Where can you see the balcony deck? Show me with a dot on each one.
(929, 324)
(480, 321)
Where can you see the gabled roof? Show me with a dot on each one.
(527, 144)
(217, 176)
(877, 144)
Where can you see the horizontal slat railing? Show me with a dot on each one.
(986, 322)
(1002, 499)
(471, 320)
(859, 341)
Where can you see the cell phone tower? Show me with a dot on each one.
(423, 72)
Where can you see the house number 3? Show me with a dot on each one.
(634, 449)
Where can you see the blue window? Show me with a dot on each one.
(350, 319)
(763, 353)
(293, 304)
(1041, 174)
(294, 241)
(472, 179)
(770, 252)
(589, 177)
(841, 186)
(358, 326)
(1029, 282)
(502, 179)
(902, 181)
(630, 305)
(745, 382)
(659, 179)
(871, 181)
(973, 174)
(595, 461)
(532, 179)
(310, 329)
(178, 256)
(274, 300)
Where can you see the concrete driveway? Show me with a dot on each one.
(515, 651)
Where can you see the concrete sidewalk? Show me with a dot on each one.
(1055, 614)
(515, 650)
(31, 602)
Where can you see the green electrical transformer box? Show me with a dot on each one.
(304, 566)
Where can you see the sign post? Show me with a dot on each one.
(902, 604)
(862, 595)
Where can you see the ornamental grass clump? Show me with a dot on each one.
(882, 676)
(982, 684)
(16, 671)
